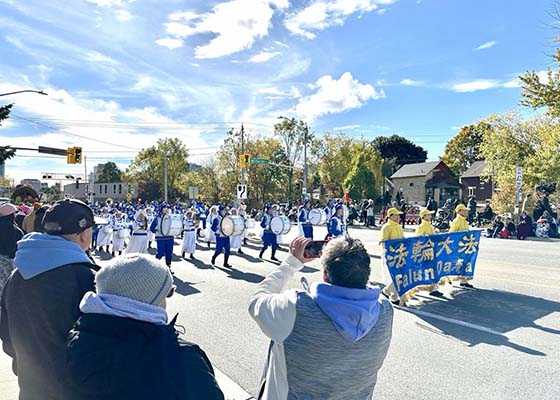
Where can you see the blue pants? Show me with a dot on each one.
(165, 248)
(269, 239)
(307, 231)
(222, 243)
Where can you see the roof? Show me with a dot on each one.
(419, 169)
(476, 170)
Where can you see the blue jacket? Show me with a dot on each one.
(303, 216)
(336, 226)
(216, 225)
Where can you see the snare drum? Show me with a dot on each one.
(280, 225)
(317, 216)
(171, 225)
(232, 225)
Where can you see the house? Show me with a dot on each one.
(116, 191)
(474, 185)
(418, 182)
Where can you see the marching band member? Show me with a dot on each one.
(150, 218)
(105, 233)
(389, 231)
(235, 240)
(330, 209)
(139, 238)
(189, 235)
(222, 241)
(269, 237)
(210, 235)
(243, 214)
(304, 226)
(119, 226)
(337, 225)
(163, 241)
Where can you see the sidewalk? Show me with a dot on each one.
(9, 389)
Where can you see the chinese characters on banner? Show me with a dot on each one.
(424, 260)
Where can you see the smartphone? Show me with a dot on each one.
(313, 249)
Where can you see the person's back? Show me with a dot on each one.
(122, 346)
(348, 370)
(41, 298)
(329, 341)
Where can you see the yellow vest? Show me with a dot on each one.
(391, 230)
(425, 228)
(459, 224)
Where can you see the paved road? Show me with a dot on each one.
(498, 341)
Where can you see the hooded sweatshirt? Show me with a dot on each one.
(353, 324)
(40, 304)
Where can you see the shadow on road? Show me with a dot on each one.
(309, 270)
(497, 310)
(184, 288)
(240, 275)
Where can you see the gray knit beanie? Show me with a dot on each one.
(137, 277)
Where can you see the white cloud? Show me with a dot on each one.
(281, 44)
(170, 43)
(410, 82)
(514, 83)
(335, 96)
(108, 3)
(476, 85)
(322, 14)
(264, 56)
(235, 25)
(346, 128)
(486, 45)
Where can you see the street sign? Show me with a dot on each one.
(304, 190)
(242, 192)
(259, 161)
(519, 183)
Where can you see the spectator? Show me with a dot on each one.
(403, 210)
(329, 341)
(370, 214)
(497, 226)
(9, 236)
(472, 209)
(41, 298)
(543, 225)
(122, 347)
(432, 205)
(524, 226)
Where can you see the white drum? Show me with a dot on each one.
(249, 223)
(280, 225)
(232, 225)
(317, 216)
(172, 224)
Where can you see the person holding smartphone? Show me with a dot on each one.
(340, 321)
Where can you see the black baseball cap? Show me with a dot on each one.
(68, 216)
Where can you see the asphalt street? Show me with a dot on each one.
(500, 340)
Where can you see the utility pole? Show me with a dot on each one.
(165, 177)
(243, 152)
(305, 160)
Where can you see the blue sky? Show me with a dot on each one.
(125, 73)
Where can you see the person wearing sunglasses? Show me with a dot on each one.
(123, 346)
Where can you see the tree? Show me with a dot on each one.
(293, 135)
(331, 154)
(464, 148)
(399, 148)
(360, 182)
(148, 167)
(109, 173)
(533, 144)
(207, 180)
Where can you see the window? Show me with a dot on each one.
(114, 188)
(120, 188)
(411, 184)
(472, 190)
(105, 189)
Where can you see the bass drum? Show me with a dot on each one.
(280, 225)
(172, 225)
(317, 216)
(232, 225)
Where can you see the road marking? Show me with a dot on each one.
(451, 320)
(232, 391)
(518, 281)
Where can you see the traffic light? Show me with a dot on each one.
(71, 155)
(298, 186)
(77, 155)
(244, 160)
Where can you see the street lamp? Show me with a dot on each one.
(24, 91)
